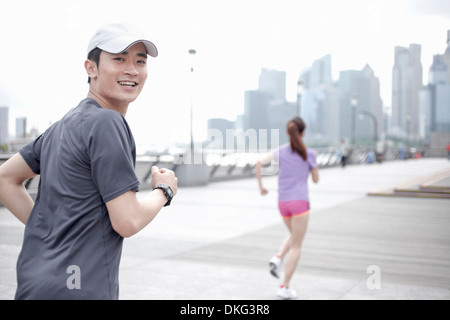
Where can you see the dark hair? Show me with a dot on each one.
(94, 55)
(295, 127)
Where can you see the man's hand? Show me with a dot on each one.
(164, 176)
(13, 194)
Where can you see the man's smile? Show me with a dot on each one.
(127, 83)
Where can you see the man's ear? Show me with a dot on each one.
(91, 68)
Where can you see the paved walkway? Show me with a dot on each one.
(214, 242)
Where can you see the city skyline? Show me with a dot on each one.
(234, 40)
(273, 82)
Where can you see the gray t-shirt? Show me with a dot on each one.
(70, 250)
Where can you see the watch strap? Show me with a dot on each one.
(164, 188)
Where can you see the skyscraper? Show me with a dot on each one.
(4, 124)
(435, 97)
(446, 56)
(365, 86)
(256, 109)
(266, 108)
(406, 86)
(21, 127)
(320, 102)
(274, 83)
(321, 72)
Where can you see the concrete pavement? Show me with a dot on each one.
(214, 242)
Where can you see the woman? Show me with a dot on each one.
(295, 163)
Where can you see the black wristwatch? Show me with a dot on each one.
(167, 192)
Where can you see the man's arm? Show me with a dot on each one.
(129, 215)
(13, 173)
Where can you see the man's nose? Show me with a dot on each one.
(131, 69)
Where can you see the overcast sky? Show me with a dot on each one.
(43, 48)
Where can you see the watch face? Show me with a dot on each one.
(169, 191)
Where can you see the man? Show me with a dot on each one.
(86, 201)
(344, 152)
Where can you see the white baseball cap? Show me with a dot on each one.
(116, 38)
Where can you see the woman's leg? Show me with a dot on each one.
(297, 226)
(285, 245)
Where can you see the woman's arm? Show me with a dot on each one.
(258, 169)
(315, 175)
(13, 173)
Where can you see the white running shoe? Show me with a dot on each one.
(275, 266)
(286, 293)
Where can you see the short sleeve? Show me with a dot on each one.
(312, 163)
(276, 154)
(112, 154)
(31, 153)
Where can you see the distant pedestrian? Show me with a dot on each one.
(296, 162)
(343, 148)
(379, 152)
(447, 147)
(86, 202)
(370, 157)
(401, 151)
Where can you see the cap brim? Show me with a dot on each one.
(121, 44)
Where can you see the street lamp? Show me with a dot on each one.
(192, 53)
(299, 97)
(353, 103)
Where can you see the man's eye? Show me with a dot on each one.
(119, 59)
(142, 61)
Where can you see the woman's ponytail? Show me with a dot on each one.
(295, 127)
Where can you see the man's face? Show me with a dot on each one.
(121, 77)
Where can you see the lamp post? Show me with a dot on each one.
(192, 53)
(193, 171)
(353, 103)
(299, 97)
(408, 134)
(426, 133)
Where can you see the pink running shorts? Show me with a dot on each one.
(293, 208)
